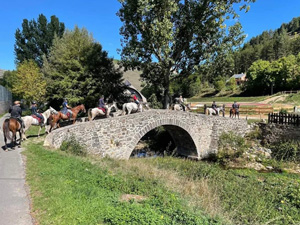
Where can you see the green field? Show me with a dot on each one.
(71, 190)
(228, 99)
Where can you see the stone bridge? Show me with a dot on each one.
(195, 135)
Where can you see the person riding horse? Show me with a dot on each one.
(66, 108)
(34, 111)
(235, 106)
(180, 101)
(214, 107)
(102, 105)
(135, 100)
(16, 112)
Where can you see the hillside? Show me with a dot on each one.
(270, 45)
(133, 76)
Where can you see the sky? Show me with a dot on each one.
(100, 19)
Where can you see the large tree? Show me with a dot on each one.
(36, 37)
(167, 36)
(31, 84)
(79, 69)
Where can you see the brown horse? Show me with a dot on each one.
(14, 126)
(234, 112)
(55, 118)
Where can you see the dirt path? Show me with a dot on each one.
(274, 99)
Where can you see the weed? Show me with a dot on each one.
(71, 145)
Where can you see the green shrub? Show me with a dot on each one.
(283, 111)
(71, 145)
(154, 103)
(219, 84)
(255, 134)
(286, 151)
(231, 146)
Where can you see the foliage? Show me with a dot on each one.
(286, 151)
(8, 79)
(231, 84)
(282, 74)
(283, 111)
(231, 146)
(89, 193)
(154, 103)
(78, 68)
(36, 37)
(186, 86)
(30, 82)
(219, 84)
(72, 146)
(165, 37)
(270, 45)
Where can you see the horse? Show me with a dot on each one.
(211, 111)
(178, 107)
(13, 125)
(132, 107)
(29, 120)
(234, 112)
(55, 118)
(92, 113)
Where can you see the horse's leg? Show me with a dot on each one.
(39, 131)
(13, 140)
(20, 133)
(5, 142)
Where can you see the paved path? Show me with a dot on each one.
(14, 202)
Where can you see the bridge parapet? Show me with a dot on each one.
(194, 134)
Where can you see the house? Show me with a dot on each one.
(239, 78)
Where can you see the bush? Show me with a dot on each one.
(219, 85)
(154, 103)
(283, 111)
(286, 151)
(71, 145)
(231, 146)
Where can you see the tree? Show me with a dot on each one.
(219, 84)
(161, 37)
(78, 68)
(36, 37)
(232, 84)
(31, 84)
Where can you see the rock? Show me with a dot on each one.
(269, 167)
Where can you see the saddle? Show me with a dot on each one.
(103, 109)
(37, 118)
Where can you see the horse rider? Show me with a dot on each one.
(34, 111)
(16, 112)
(214, 107)
(102, 104)
(66, 108)
(235, 106)
(181, 102)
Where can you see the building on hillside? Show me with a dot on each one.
(239, 78)
(132, 90)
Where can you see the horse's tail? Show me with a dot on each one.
(6, 129)
(90, 114)
(124, 109)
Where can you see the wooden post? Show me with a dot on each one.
(204, 109)
(223, 110)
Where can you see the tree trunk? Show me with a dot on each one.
(166, 98)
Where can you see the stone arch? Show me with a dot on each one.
(181, 134)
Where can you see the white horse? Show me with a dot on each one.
(29, 120)
(92, 113)
(132, 107)
(178, 107)
(211, 111)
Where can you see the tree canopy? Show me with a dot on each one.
(36, 37)
(167, 36)
(78, 68)
(30, 82)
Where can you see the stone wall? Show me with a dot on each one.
(5, 100)
(273, 133)
(195, 135)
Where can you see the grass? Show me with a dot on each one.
(73, 190)
(227, 99)
(292, 99)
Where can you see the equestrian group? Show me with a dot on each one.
(215, 110)
(18, 124)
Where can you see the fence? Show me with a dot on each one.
(280, 118)
(5, 99)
